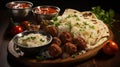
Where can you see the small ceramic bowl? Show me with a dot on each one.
(30, 50)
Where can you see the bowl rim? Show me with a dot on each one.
(31, 4)
(40, 32)
(56, 7)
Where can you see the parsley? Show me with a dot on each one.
(69, 25)
(51, 23)
(55, 19)
(106, 16)
(26, 39)
(80, 29)
(77, 19)
(73, 56)
(74, 15)
(40, 58)
(33, 38)
(68, 16)
(92, 27)
(42, 40)
(57, 24)
(85, 23)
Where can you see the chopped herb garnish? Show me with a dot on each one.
(26, 39)
(77, 19)
(57, 24)
(40, 58)
(42, 40)
(80, 29)
(106, 16)
(33, 38)
(85, 23)
(75, 16)
(51, 23)
(70, 25)
(73, 56)
(92, 27)
(55, 19)
(68, 16)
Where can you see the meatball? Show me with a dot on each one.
(80, 42)
(70, 48)
(55, 50)
(65, 37)
(56, 40)
(51, 30)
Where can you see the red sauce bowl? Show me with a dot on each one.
(19, 5)
(19, 10)
(45, 12)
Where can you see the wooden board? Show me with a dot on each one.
(59, 61)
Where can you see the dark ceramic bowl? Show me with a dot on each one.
(30, 51)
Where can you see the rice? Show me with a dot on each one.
(33, 40)
(90, 28)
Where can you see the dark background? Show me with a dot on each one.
(81, 5)
(75, 4)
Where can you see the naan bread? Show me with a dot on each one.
(72, 11)
(84, 24)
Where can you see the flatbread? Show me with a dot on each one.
(84, 24)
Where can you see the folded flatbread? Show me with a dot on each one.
(84, 24)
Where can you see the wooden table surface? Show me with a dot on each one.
(100, 60)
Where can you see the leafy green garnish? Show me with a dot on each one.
(51, 23)
(92, 27)
(77, 19)
(42, 40)
(70, 26)
(33, 38)
(73, 56)
(55, 19)
(85, 23)
(40, 58)
(57, 24)
(106, 16)
(74, 15)
(68, 16)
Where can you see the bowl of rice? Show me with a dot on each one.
(32, 42)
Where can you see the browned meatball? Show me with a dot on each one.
(51, 30)
(70, 48)
(65, 37)
(80, 42)
(56, 40)
(54, 50)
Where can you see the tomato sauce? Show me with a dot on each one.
(19, 5)
(45, 10)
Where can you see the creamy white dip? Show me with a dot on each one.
(33, 40)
